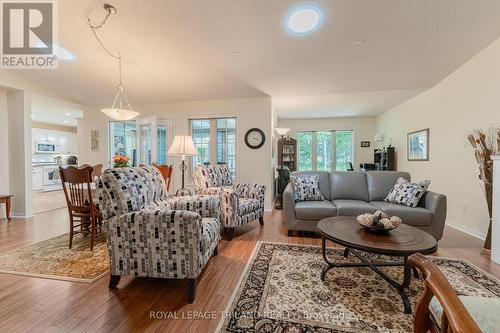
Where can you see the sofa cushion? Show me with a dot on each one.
(314, 210)
(347, 207)
(380, 183)
(306, 188)
(417, 216)
(324, 181)
(348, 185)
(484, 311)
(406, 193)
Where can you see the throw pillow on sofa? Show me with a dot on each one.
(306, 188)
(406, 193)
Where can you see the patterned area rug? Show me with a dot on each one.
(281, 291)
(52, 259)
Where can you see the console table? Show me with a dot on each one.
(495, 227)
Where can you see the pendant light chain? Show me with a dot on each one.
(116, 110)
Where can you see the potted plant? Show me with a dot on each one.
(120, 161)
(486, 143)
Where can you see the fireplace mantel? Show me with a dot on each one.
(495, 230)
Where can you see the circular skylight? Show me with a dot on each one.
(303, 20)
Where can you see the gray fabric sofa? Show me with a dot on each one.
(350, 193)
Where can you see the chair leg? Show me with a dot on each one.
(71, 231)
(261, 220)
(192, 283)
(114, 280)
(216, 250)
(230, 233)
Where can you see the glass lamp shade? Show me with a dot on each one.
(120, 114)
(281, 131)
(182, 146)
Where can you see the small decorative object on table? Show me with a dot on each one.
(378, 221)
(120, 161)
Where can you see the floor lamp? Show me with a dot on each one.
(183, 146)
(281, 132)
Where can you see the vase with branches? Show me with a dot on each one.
(486, 143)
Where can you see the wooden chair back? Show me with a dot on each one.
(455, 316)
(96, 169)
(77, 188)
(166, 171)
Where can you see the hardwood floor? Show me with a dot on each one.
(47, 201)
(42, 305)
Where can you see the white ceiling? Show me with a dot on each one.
(183, 50)
(54, 111)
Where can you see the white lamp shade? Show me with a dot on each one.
(378, 137)
(182, 146)
(281, 131)
(120, 114)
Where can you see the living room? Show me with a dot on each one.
(263, 166)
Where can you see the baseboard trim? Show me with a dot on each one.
(467, 230)
(21, 216)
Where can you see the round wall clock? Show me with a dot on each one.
(255, 138)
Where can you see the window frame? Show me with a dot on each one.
(213, 140)
(314, 146)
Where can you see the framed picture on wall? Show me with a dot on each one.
(418, 145)
(94, 140)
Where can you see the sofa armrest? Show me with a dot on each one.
(161, 243)
(251, 191)
(205, 205)
(436, 203)
(289, 203)
(229, 203)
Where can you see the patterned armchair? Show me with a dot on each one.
(240, 203)
(149, 235)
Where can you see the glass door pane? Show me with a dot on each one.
(226, 143)
(304, 141)
(161, 144)
(344, 150)
(146, 143)
(200, 129)
(123, 139)
(324, 151)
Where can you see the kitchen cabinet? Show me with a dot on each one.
(65, 142)
(37, 178)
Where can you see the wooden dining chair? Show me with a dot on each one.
(83, 214)
(166, 171)
(96, 170)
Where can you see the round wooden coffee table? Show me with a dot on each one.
(401, 242)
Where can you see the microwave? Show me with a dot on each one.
(45, 148)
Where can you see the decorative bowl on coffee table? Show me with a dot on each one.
(378, 222)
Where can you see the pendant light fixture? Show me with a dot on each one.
(121, 108)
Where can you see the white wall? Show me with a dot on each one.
(4, 148)
(252, 165)
(363, 127)
(467, 99)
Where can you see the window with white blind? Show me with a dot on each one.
(325, 150)
(215, 140)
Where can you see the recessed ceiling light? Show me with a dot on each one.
(236, 54)
(359, 43)
(65, 121)
(303, 20)
(68, 114)
(32, 116)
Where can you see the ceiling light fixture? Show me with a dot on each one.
(121, 108)
(67, 114)
(303, 20)
(236, 54)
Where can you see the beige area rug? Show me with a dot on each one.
(52, 259)
(281, 291)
